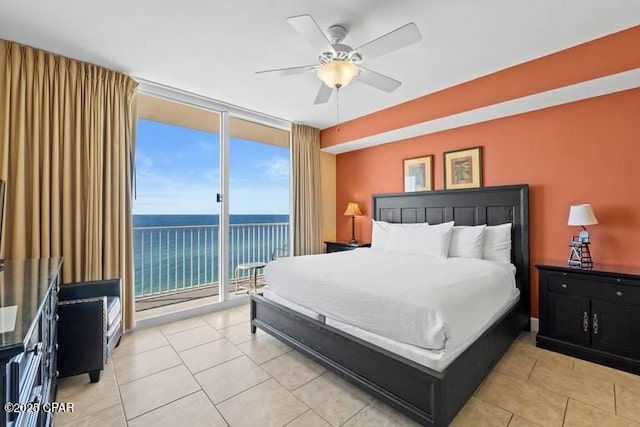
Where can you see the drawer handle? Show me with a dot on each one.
(585, 321)
(619, 293)
(564, 285)
(595, 324)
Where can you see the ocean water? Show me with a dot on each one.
(174, 252)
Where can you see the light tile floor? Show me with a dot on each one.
(210, 371)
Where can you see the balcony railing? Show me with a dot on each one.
(177, 258)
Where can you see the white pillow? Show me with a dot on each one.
(380, 232)
(497, 243)
(467, 242)
(432, 240)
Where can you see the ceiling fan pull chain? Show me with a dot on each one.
(337, 105)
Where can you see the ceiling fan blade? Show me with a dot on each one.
(324, 93)
(377, 80)
(309, 30)
(396, 39)
(290, 71)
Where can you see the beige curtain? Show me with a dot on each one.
(67, 135)
(307, 213)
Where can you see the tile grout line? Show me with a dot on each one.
(357, 412)
(240, 392)
(615, 399)
(162, 406)
(214, 405)
(532, 369)
(576, 374)
(313, 379)
(504, 409)
(115, 375)
(113, 357)
(566, 408)
(197, 345)
(299, 416)
(120, 403)
(182, 330)
(214, 366)
(327, 421)
(153, 373)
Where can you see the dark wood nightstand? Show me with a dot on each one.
(591, 314)
(344, 246)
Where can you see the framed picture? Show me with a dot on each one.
(463, 168)
(418, 174)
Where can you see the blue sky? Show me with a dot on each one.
(178, 172)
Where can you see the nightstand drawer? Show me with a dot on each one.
(593, 287)
(562, 284)
(620, 293)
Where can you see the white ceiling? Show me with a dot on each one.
(213, 47)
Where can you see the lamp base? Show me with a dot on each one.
(579, 254)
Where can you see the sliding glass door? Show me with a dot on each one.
(212, 199)
(258, 201)
(176, 217)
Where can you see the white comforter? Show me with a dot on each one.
(423, 301)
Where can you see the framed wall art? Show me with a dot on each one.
(463, 168)
(418, 174)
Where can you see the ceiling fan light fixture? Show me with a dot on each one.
(337, 74)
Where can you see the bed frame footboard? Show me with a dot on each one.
(427, 396)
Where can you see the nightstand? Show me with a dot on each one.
(591, 314)
(344, 246)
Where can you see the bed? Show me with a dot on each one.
(426, 394)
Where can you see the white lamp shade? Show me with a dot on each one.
(582, 215)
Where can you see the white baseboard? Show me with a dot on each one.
(187, 313)
(535, 326)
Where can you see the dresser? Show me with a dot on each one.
(344, 246)
(28, 330)
(591, 314)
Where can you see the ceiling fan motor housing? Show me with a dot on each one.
(341, 52)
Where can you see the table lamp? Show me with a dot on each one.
(580, 254)
(582, 215)
(353, 210)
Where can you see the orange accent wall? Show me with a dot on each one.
(582, 152)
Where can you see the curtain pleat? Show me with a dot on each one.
(307, 213)
(67, 132)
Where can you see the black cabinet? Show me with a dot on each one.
(28, 342)
(342, 246)
(591, 314)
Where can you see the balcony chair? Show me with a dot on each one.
(280, 252)
(89, 326)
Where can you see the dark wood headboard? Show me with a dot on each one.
(487, 205)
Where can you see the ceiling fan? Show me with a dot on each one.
(339, 63)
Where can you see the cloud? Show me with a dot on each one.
(143, 161)
(211, 175)
(207, 146)
(276, 169)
